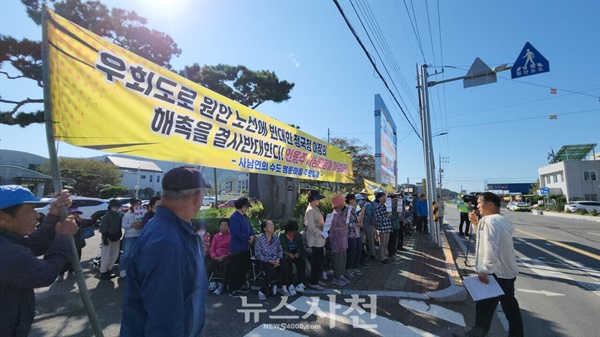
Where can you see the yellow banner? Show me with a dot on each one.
(106, 98)
(371, 186)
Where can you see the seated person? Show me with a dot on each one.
(294, 253)
(219, 254)
(270, 254)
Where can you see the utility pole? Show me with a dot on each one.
(478, 74)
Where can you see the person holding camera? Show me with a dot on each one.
(21, 271)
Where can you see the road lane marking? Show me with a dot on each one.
(384, 326)
(577, 250)
(265, 330)
(435, 311)
(541, 292)
(543, 269)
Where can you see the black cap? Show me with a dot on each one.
(314, 195)
(183, 178)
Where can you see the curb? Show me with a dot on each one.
(456, 292)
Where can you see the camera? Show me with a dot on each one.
(471, 200)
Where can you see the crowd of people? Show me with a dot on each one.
(167, 267)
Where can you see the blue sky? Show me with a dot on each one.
(496, 133)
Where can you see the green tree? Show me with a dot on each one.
(87, 177)
(124, 28)
(147, 193)
(363, 160)
(535, 187)
(113, 192)
(250, 88)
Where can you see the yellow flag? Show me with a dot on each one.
(106, 98)
(371, 186)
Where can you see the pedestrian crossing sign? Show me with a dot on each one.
(529, 62)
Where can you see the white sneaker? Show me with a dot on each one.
(345, 280)
(324, 274)
(284, 291)
(292, 290)
(274, 290)
(357, 272)
(300, 288)
(123, 273)
(329, 272)
(219, 289)
(262, 296)
(396, 258)
(349, 275)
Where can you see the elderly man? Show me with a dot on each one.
(166, 284)
(20, 244)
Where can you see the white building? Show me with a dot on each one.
(138, 174)
(19, 168)
(569, 174)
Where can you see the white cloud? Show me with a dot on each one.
(294, 61)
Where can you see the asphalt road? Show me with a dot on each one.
(558, 287)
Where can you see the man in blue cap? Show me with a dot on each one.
(20, 244)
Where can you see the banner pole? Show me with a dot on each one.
(56, 179)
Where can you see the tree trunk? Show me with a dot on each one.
(277, 194)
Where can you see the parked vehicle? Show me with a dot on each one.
(518, 206)
(208, 201)
(587, 205)
(93, 208)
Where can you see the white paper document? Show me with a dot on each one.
(328, 220)
(480, 291)
(388, 205)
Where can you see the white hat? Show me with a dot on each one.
(359, 197)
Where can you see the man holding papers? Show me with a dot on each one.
(495, 257)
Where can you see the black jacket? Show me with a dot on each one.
(21, 272)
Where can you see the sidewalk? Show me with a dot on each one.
(423, 270)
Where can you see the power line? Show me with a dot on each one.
(415, 31)
(374, 66)
(520, 119)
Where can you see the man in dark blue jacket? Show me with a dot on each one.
(166, 284)
(20, 244)
(242, 236)
(423, 213)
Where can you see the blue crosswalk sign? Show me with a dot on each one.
(529, 62)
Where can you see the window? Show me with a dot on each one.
(589, 176)
(150, 178)
(158, 179)
(591, 197)
(547, 179)
(143, 176)
(560, 178)
(554, 179)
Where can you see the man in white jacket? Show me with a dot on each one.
(495, 257)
